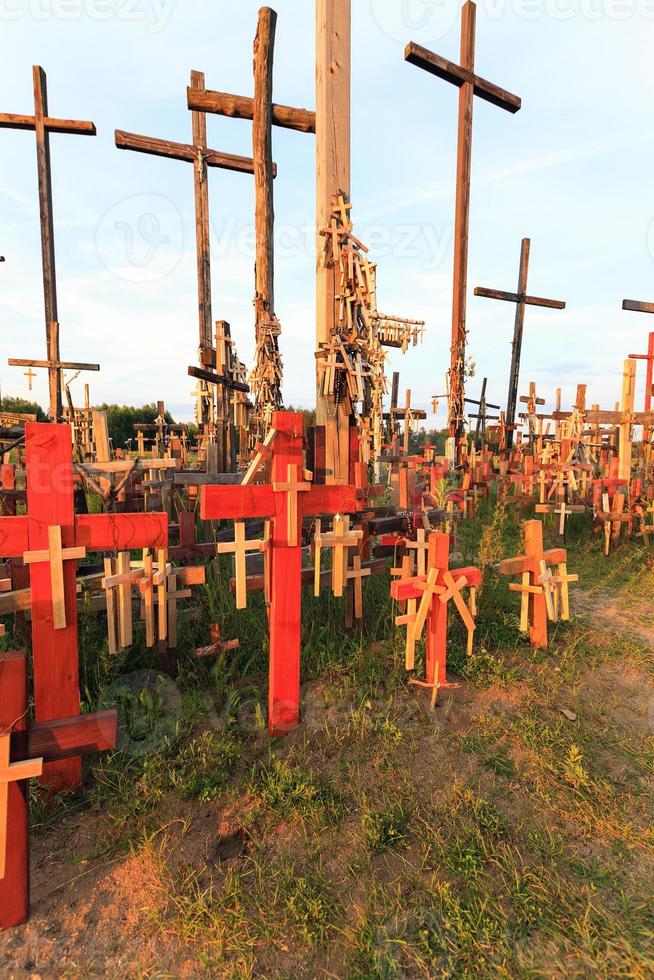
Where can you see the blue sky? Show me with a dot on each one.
(572, 171)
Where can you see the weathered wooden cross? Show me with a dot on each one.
(198, 154)
(470, 84)
(482, 415)
(264, 114)
(43, 125)
(522, 301)
(51, 537)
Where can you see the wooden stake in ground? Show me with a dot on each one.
(522, 300)
(43, 125)
(333, 76)
(463, 76)
(637, 307)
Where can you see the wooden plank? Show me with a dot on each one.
(461, 74)
(236, 503)
(201, 196)
(55, 665)
(14, 886)
(79, 127)
(14, 539)
(67, 738)
(550, 304)
(333, 71)
(56, 363)
(242, 107)
(121, 532)
(182, 151)
(56, 562)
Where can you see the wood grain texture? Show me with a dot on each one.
(14, 887)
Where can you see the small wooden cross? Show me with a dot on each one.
(340, 539)
(239, 546)
(546, 578)
(30, 375)
(217, 645)
(454, 588)
(420, 547)
(55, 556)
(357, 574)
(291, 488)
(11, 772)
(119, 615)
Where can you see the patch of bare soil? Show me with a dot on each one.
(613, 612)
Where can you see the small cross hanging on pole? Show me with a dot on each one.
(30, 375)
(469, 84)
(522, 300)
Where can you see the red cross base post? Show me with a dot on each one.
(50, 538)
(285, 501)
(23, 751)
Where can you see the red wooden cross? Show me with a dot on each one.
(281, 501)
(536, 587)
(23, 750)
(637, 307)
(432, 593)
(46, 533)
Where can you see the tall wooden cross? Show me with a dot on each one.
(264, 114)
(43, 125)
(285, 501)
(44, 535)
(23, 751)
(469, 84)
(522, 301)
(198, 154)
(638, 307)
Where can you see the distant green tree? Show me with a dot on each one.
(308, 415)
(18, 405)
(436, 438)
(121, 420)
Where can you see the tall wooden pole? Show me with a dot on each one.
(333, 79)
(516, 347)
(264, 47)
(47, 239)
(462, 222)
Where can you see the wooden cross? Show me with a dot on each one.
(293, 486)
(535, 604)
(119, 614)
(469, 84)
(239, 547)
(30, 375)
(218, 646)
(522, 301)
(50, 502)
(239, 503)
(55, 556)
(24, 750)
(42, 124)
(356, 574)
(264, 115)
(421, 549)
(638, 307)
(340, 540)
(434, 591)
(482, 415)
(198, 154)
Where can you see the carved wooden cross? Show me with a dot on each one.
(42, 124)
(522, 301)
(50, 504)
(469, 84)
